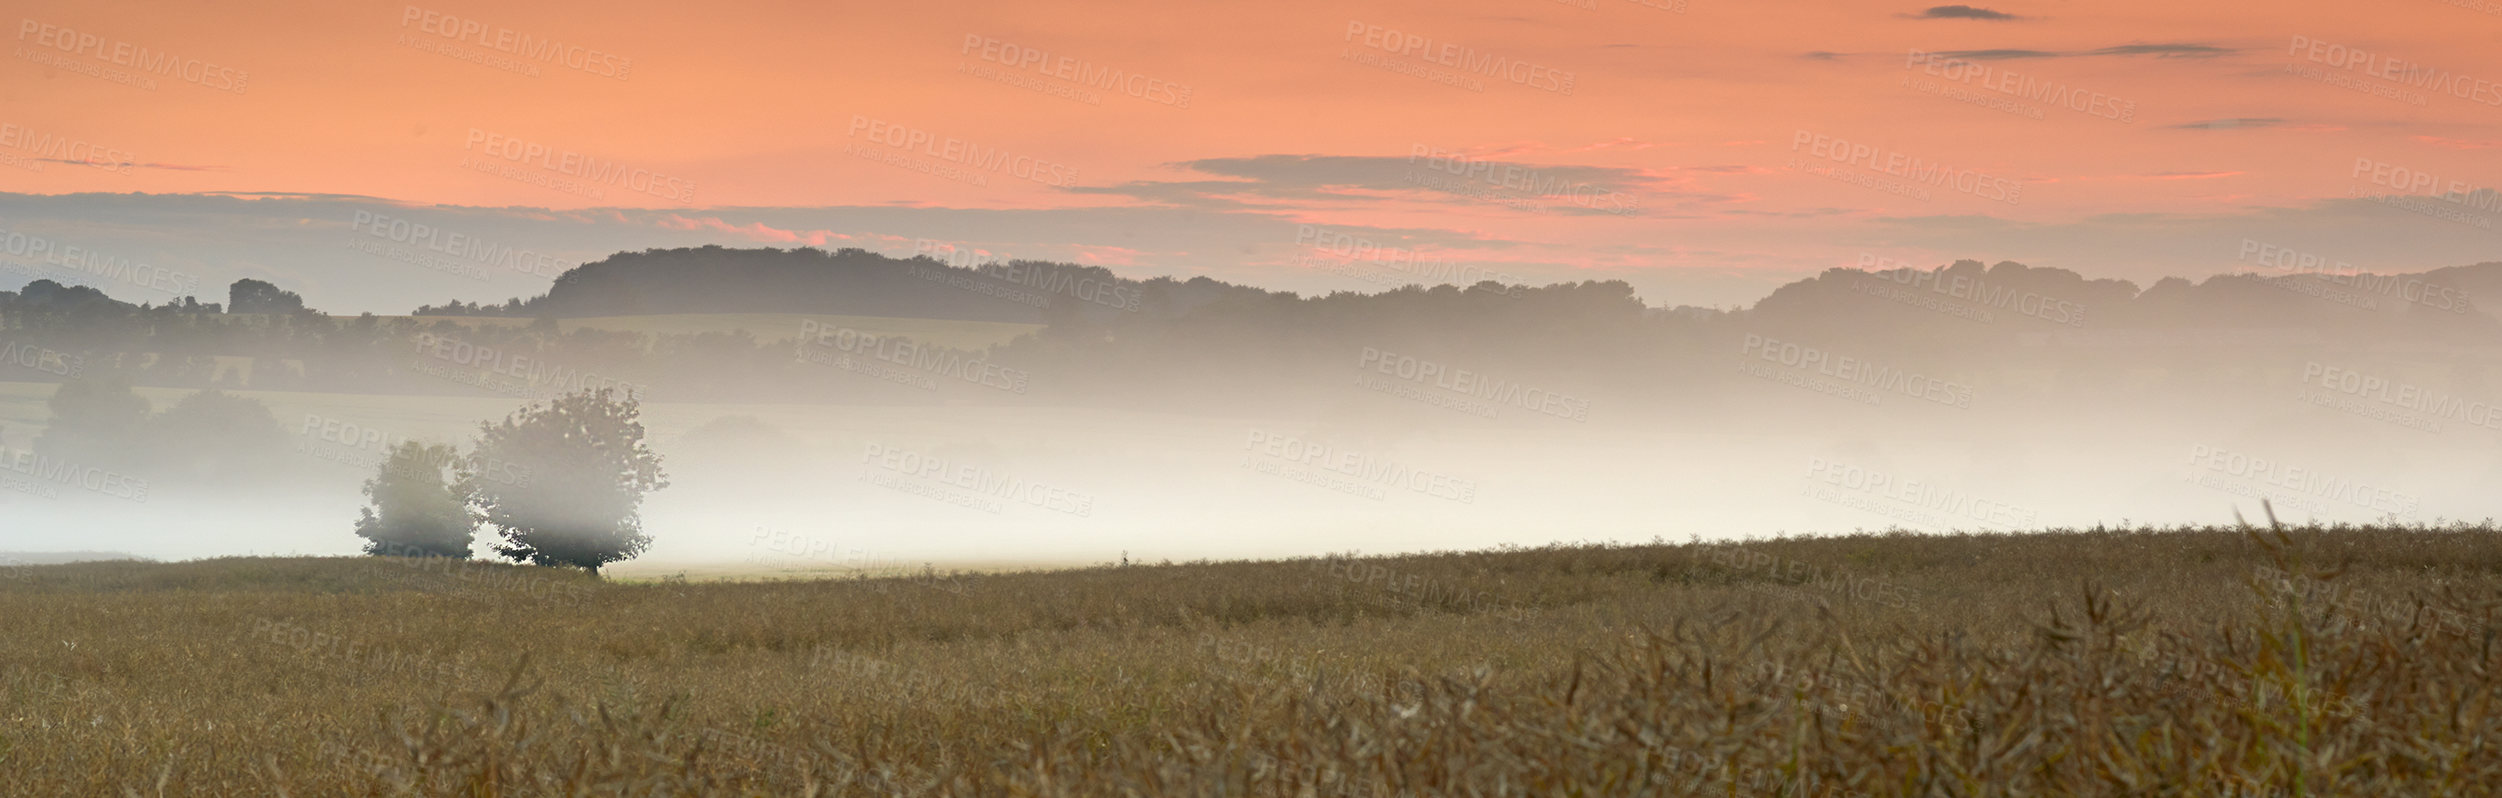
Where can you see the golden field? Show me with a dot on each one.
(2346, 661)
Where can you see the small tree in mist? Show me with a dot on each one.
(420, 504)
(96, 421)
(583, 506)
(216, 438)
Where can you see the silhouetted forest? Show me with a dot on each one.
(1205, 343)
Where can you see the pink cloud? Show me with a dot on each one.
(1107, 256)
(753, 231)
(1626, 143)
(2191, 175)
(2457, 144)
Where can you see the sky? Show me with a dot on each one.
(1706, 151)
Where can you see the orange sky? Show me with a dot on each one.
(1689, 118)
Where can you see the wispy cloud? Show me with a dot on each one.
(756, 231)
(2457, 144)
(1281, 181)
(2229, 123)
(2166, 50)
(1963, 12)
(170, 167)
(2170, 50)
(2190, 175)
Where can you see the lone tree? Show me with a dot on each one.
(216, 438)
(97, 420)
(420, 504)
(257, 296)
(583, 506)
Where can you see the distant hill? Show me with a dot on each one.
(847, 282)
(2482, 282)
(1965, 300)
(1907, 301)
(715, 324)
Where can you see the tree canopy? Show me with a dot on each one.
(583, 506)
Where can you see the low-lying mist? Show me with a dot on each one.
(763, 489)
(1200, 420)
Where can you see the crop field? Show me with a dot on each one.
(2223, 661)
